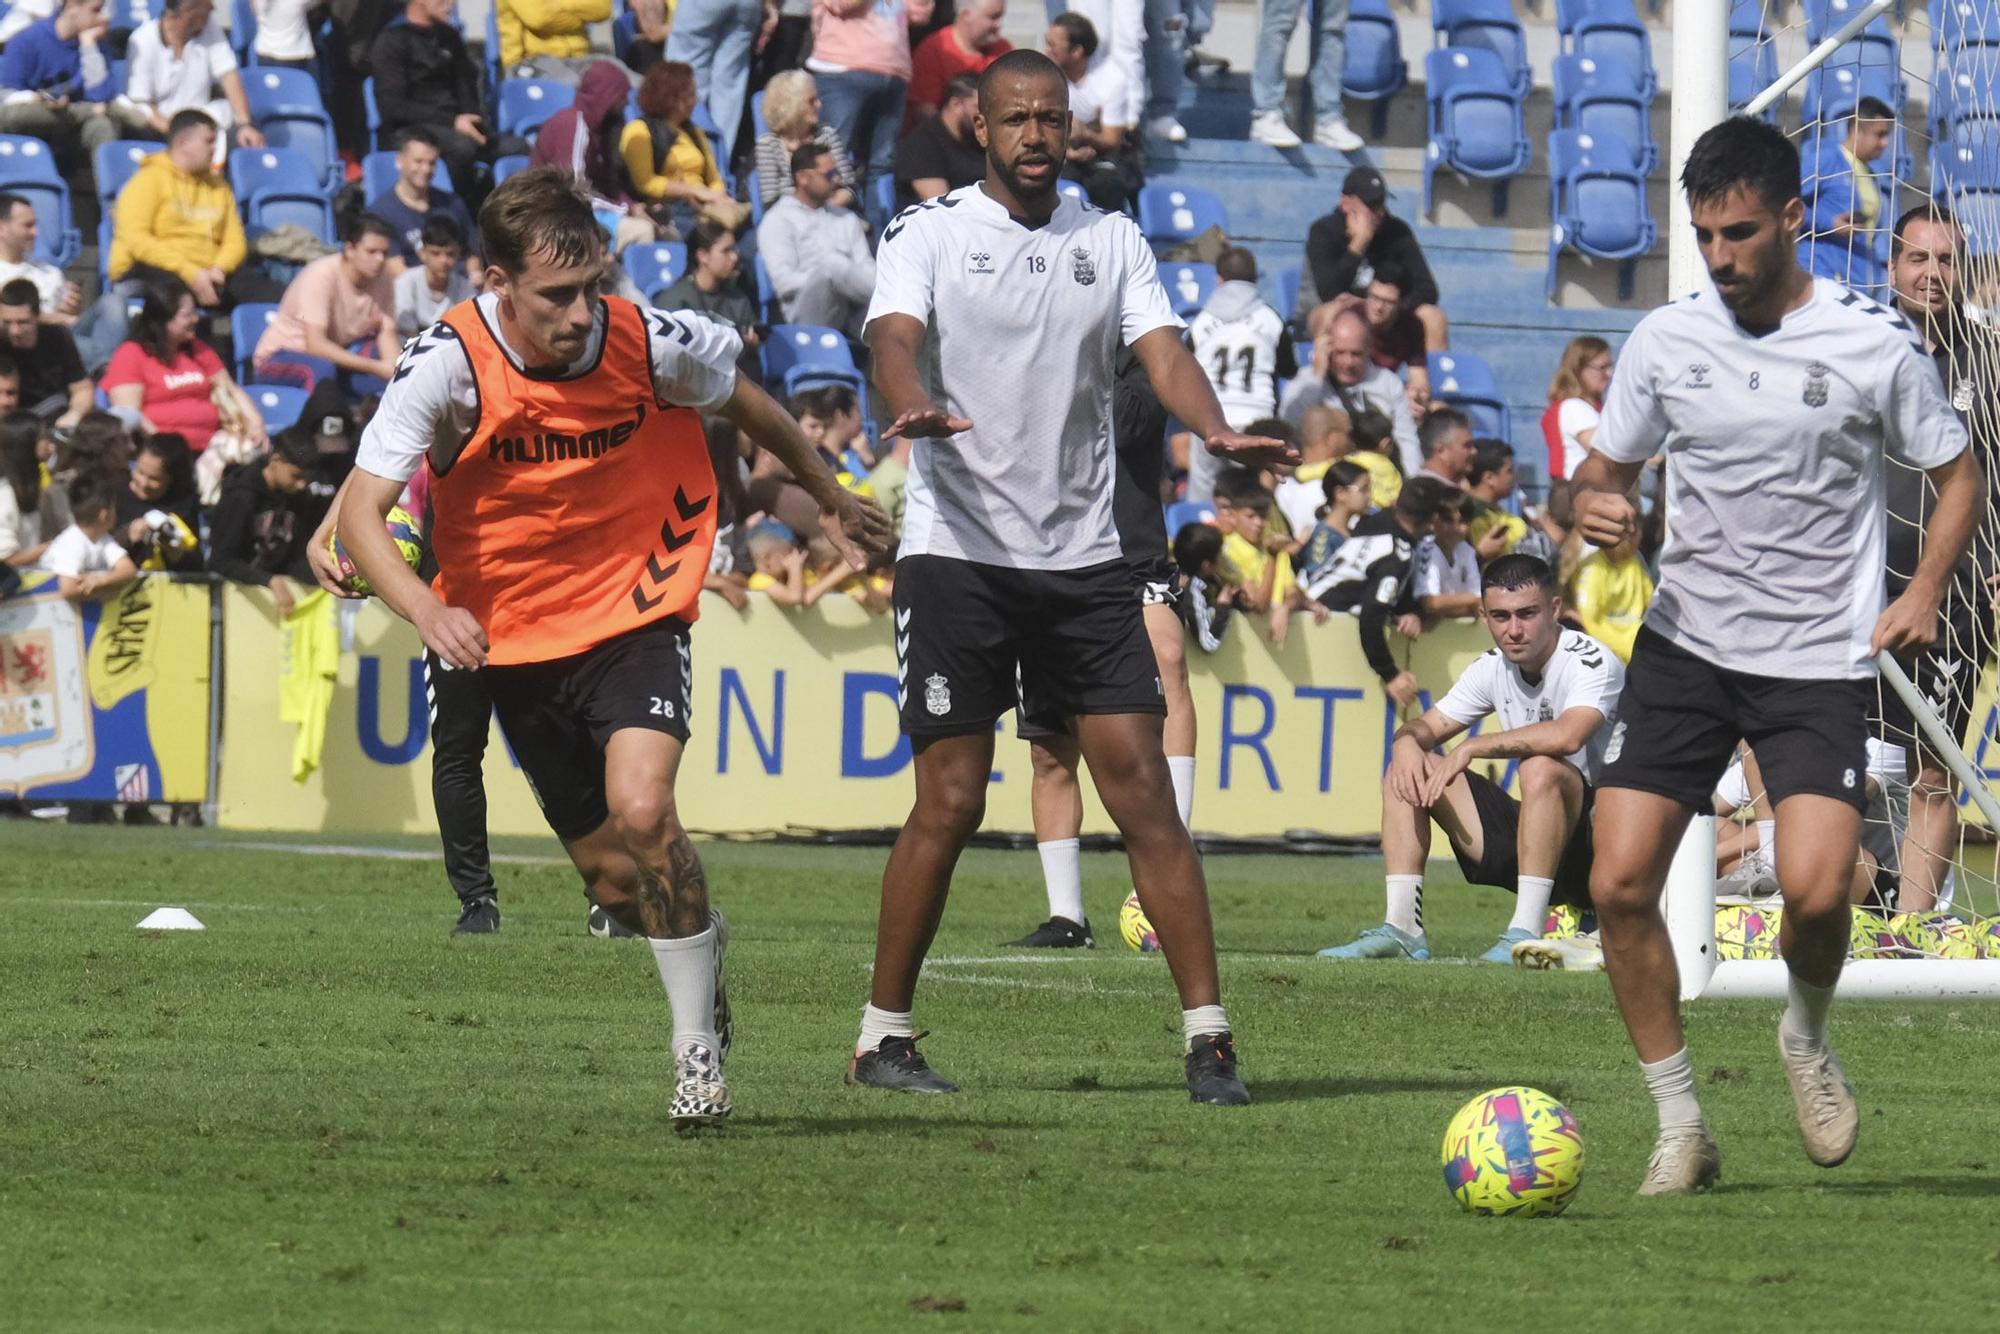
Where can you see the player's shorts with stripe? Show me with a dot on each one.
(1680, 717)
(1156, 578)
(974, 640)
(1499, 861)
(1944, 674)
(558, 716)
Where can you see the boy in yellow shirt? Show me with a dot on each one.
(1610, 592)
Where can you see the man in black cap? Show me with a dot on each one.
(1344, 248)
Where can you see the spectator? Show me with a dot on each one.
(176, 218)
(10, 387)
(1267, 79)
(172, 379)
(1609, 593)
(583, 139)
(96, 330)
(816, 255)
(436, 283)
(1844, 203)
(54, 382)
(1206, 597)
(1576, 398)
(889, 479)
(778, 564)
(548, 39)
(943, 153)
(22, 439)
(1122, 27)
(97, 446)
(1447, 579)
(423, 76)
(1102, 156)
(1324, 439)
(414, 199)
(1244, 346)
(1346, 489)
(1370, 576)
(158, 514)
(830, 418)
(713, 285)
(1345, 376)
(259, 530)
(968, 46)
(56, 81)
(668, 160)
(88, 562)
(1371, 447)
(716, 38)
(1254, 557)
(861, 61)
(792, 113)
(649, 34)
(1397, 335)
(338, 303)
(1494, 531)
(1347, 246)
(284, 34)
(1446, 440)
(176, 63)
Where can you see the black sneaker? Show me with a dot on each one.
(897, 1064)
(479, 917)
(1058, 933)
(1211, 1072)
(604, 926)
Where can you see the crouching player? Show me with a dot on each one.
(1555, 692)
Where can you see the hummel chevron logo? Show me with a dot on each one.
(903, 619)
(674, 539)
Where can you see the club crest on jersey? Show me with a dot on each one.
(937, 696)
(1082, 267)
(1816, 382)
(1962, 396)
(979, 261)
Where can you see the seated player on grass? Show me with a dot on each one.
(1555, 692)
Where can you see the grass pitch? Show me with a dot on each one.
(323, 1113)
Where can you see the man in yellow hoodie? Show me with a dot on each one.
(177, 216)
(547, 39)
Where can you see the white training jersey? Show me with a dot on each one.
(1022, 327)
(1238, 345)
(1441, 575)
(1775, 512)
(1580, 674)
(433, 401)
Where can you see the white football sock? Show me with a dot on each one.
(1804, 1025)
(1767, 842)
(1181, 769)
(1062, 876)
(1202, 1019)
(687, 971)
(1531, 903)
(878, 1024)
(1406, 903)
(1672, 1084)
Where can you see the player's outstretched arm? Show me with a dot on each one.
(895, 340)
(1184, 389)
(857, 528)
(1911, 621)
(451, 632)
(1601, 501)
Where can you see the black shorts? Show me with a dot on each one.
(1681, 716)
(1157, 580)
(1499, 861)
(973, 641)
(1945, 674)
(558, 716)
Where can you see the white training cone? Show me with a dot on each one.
(171, 919)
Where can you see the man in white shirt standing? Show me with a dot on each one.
(1101, 114)
(1774, 397)
(181, 60)
(1555, 692)
(997, 317)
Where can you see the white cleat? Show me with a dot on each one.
(1271, 127)
(1569, 954)
(1335, 133)
(1829, 1121)
(701, 1093)
(1684, 1162)
(1166, 127)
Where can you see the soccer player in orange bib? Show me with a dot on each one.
(574, 512)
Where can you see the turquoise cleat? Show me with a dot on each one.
(1503, 948)
(1382, 942)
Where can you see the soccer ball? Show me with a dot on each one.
(1954, 939)
(1565, 921)
(1919, 933)
(1132, 925)
(1513, 1153)
(1985, 932)
(1873, 936)
(403, 531)
(1747, 932)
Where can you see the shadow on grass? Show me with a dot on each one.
(882, 1123)
(1294, 1090)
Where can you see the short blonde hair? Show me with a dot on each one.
(785, 101)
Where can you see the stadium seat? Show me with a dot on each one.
(26, 159)
(1594, 94)
(1978, 213)
(243, 31)
(1285, 285)
(1375, 70)
(1170, 214)
(378, 174)
(371, 112)
(279, 404)
(1962, 88)
(269, 209)
(753, 191)
(1188, 286)
(767, 293)
(1969, 160)
(246, 325)
(57, 241)
(624, 32)
(525, 104)
(1466, 382)
(1184, 512)
(506, 166)
(1753, 59)
(275, 170)
(1962, 24)
(791, 346)
(1608, 30)
(883, 203)
(275, 90)
(1474, 119)
(113, 164)
(1833, 91)
(1597, 205)
(654, 268)
(1490, 26)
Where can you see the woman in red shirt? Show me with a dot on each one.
(172, 379)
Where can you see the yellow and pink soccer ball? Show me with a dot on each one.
(1873, 936)
(1133, 926)
(1513, 1153)
(403, 531)
(1746, 931)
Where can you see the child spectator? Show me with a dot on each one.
(21, 437)
(1324, 439)
(830, 418)
(437, 282)
(1206, 597)
(86, 559)
(1447, 582)
(1255, 559)
(729, 563)
(158, 514)
(97, 446)
(1609, 594)
(713, 286)
(1375, 453)
(1345, 487)
(1494, 531)
(778, 564)
(1243, 345)
(826, 572)
(1370, 576)
(266, 517)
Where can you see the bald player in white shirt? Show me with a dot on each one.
(1773, 397)
(998, 313)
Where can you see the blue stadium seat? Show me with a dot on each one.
(246, 325)
(792, 346)
(767, 295)
(1474, 119)
(1285, 285)
(113, 164)
(1969, 160)
(1074, 190)
(378, 174)
(1596, 94)
(1188, 286)
(507, 166)
(1597, 201)
(1375, 70)
(279, 404)
(1962, 86)
(1745, 82)
(656, 267)
(525, 104)
(1978, 213)
(371, 112)
(276, 170)
(882, 205)
(1184, 512)
(105, 226)
(1466, 382)
(57, 241)
(1490, 26)
(1170, 214)
(753, 191)
(274, 90)
(1960, 24)
(26, 159)
(1833, 91)
(243, 31)
(624, 32)
(1824, 16)
(312, 212)
(1608, 30)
